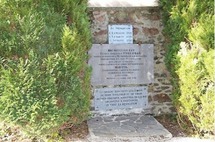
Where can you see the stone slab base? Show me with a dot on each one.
(126, 128)
(123, 3)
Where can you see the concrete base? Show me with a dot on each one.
(127, 128)
(123, 3)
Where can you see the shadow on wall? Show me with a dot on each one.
(123, 3)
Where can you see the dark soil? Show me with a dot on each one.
(76, 132)
(171, 124)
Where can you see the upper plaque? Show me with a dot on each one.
(120, 34)
(122, 64)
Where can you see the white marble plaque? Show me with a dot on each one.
(120, 98)
(122, 64)
(120, 34)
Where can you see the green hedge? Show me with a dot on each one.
(196, 75)
(189, 29)
(44, 78)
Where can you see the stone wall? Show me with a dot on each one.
(147, 28)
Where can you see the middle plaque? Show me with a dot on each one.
(122, 64)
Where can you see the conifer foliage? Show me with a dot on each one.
(44, 78)
(189, 28)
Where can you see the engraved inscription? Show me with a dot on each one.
(118, 34)
(121, 64)
(120, 98)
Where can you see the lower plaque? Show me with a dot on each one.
(120, 98)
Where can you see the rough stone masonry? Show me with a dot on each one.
(147, 29)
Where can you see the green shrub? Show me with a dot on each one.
(191, 23)
(186, 21)
(197, 88)
(44, 78)
(202, 33)
(31, 26)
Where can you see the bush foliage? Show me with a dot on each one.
(189, 28)
(196, 75)
(44, 78)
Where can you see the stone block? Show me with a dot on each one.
(162, 98)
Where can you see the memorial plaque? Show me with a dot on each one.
(122, 64)
(120, 34)
(120, 98)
